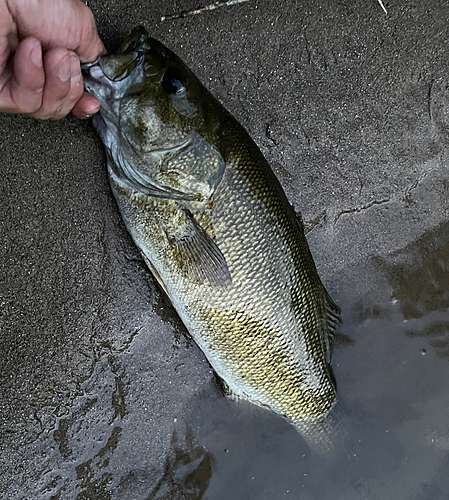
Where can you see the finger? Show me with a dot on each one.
(76, 89)
(22, 93)
(86, 107)
(91, 47)
(5, 51)
(8, 36)
(58, 105)
(5, 78)
(59, 23)
(57, 68)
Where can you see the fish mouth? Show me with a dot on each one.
(112, 76)
(86, 67)
(93, 76)
(115, 67)
(132, 50)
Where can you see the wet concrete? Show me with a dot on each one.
(104, 395)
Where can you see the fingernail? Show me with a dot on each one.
(36, 54)
(75, 70)
(91, 112)
(63, 69)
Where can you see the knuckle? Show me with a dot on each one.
(29, 102)
(60, 114)
(29, 109)
(57, 90)
(40, 115)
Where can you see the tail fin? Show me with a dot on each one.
(322, 433)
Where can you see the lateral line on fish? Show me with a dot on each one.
(200, 10)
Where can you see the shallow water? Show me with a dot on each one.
(393, 403)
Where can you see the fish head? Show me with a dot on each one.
(146, 93)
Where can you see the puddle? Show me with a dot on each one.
(187, 471)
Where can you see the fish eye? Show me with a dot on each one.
(171, 82)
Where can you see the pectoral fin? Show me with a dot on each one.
(197, 255)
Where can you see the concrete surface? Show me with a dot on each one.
(103, 394)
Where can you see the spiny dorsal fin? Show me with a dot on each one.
(332, 319)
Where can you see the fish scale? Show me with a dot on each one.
(216, 230)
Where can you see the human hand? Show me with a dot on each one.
(42, 43)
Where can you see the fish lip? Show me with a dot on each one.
(95, 78)
(86, 71)
(85, 67)
(95, 81)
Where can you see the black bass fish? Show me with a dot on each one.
(216, 229)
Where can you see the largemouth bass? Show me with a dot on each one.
(216, 229)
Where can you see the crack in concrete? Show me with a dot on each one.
(405, 198)
(364, 207)
(201, 10)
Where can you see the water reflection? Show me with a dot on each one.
(437, 334)
(88, 435)
(420, 277)
(420, 273)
